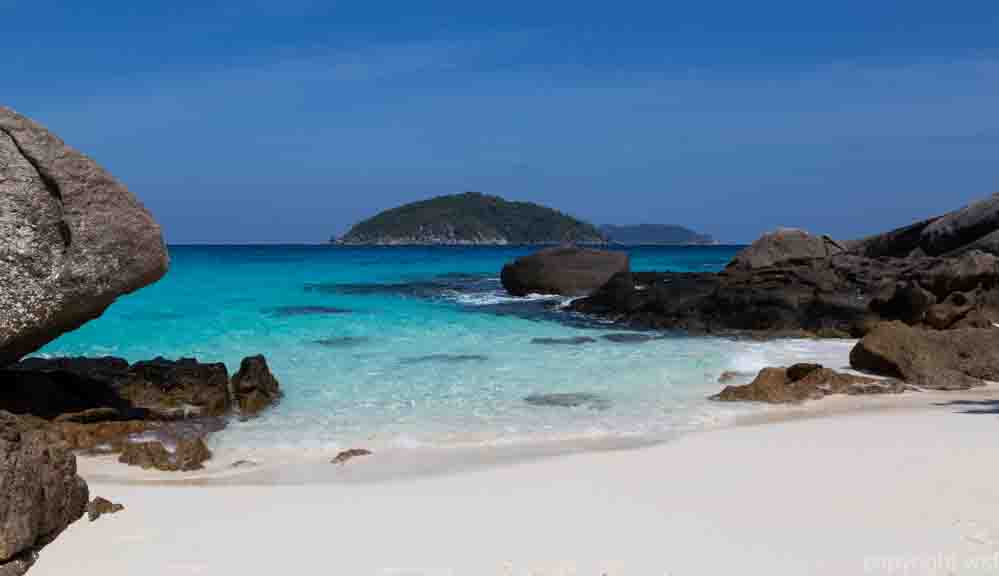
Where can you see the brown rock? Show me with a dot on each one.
(74, 239)
(346, 455)
(784, 245)
(951, 360)
(804, 382)
(41, 493)
(100, 506)
(568, 271)
(189, 455)
(254, 388)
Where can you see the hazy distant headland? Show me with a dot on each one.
(475, 219)
(663, 234)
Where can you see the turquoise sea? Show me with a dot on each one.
(408, 347)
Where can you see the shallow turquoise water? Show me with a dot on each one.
(420, 346)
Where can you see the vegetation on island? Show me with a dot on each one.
(655, 234)
(471, 218)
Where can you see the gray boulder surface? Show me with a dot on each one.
(784, 245)
(72, 238)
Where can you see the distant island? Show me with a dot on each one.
(470, 219)
(655, 234)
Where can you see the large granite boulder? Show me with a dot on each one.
(254, 388)
(784, 245)
(953, 360)
(40, 492)
(972, 227)
(72, 238)
(567, 271)
(804, 382)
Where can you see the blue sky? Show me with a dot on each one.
(268, 121)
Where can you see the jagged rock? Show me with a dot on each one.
(953, 360)
(72, 238)
(40, 492)
(568, 271)
(346, 455)
(254, 388)
(804, 382)
(842, 295)
(182, 388)
(784, 245)
(189, 455)
(101, 506)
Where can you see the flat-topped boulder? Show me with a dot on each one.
(566, 271)
(784, 245)
(953, 360)
(72, 238)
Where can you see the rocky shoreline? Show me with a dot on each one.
(923, 300)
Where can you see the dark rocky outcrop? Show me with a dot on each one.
(972, 227)
(841, 295)
(254, 388)
(803, 382)
(106, 405)
(73, 238)
(567, 271)
(40, 492)
(954, 360)
(932, 274)
(785, 245)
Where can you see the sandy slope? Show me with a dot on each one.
(911, 491)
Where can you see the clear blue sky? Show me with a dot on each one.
(289, 120)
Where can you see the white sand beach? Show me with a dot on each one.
(901, 485)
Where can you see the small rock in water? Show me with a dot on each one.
(342, 457)
(101, 506)
(243, 464)
(574, 341)
(569, 400)
(629, 338)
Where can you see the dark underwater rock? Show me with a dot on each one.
(572, 341)
(569, 400)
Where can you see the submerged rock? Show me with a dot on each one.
(101, 506)
(572, 341)
(446, 358)
(41, 493)
(290, 311)
(629, 338)
(569, 400)
(804, 382)
(72, 238)
(567, 271)
(954, 360)
(342, 341)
